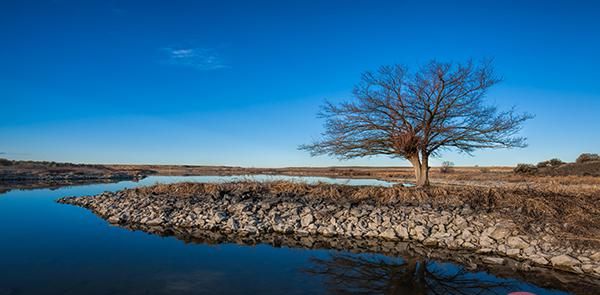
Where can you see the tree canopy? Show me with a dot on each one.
(415, 115)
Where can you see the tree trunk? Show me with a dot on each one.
(424, 181)
(421, 169)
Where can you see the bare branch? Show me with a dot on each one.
(400, 114)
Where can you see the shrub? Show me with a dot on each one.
(484, 170)
(550, 163)
(583, 158)
(543, 164)
(525, 169)
(5, 162)
(555, 162)
(447, 167)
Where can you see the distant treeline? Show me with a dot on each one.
(7, 162)
(587, 164)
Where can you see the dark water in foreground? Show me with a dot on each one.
(49, 248)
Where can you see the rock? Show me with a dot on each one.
(468, 245)
(389, 234)
(502, 249)
(529, 251)
(466, 235)
(232, 224)
(418, 233)
(459, 221)
(511, 252)
(430, 242)
(486, 242)
(595, 256)
(113, 219)
(493, 260)
(564, 261)
(402, 232)
(219, 217)
(587, 268)
(306, 220)
(484, 251)
(155, 221)
(539, 260)
(583, 259)
(500, 233)
(517, 243)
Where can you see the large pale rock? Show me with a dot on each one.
(587, 268)
(529, 251)
(564, 261)
(389, 234)
(539, 260)
(430, 242)
(402, 232)
(459, 221)
(511, 252)
(517, 243)
(418, 233)
(307, 220)
(486, 242)
(155, 221)
(469, 245)
(113, 219)
(493, 260)
(500, 233)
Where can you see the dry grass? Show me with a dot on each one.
(489, 175)
(576, 214)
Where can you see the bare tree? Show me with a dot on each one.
(417, 115)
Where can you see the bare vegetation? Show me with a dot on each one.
(584, 158)
(525, 169)
(447, 167)
(585, 165)
(417, 115)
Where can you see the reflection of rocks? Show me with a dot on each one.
(501, 267)
(251, 215)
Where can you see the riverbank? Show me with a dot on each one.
(576, 177)
(488, 222)
(24, 172)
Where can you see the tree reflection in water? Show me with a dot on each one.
(372, 274)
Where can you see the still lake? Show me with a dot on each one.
(49, 248)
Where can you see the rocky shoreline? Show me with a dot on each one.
(496, 241)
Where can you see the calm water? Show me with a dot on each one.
(49, 248)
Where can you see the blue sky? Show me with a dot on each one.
(239, 83)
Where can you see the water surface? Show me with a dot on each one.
(49, 248)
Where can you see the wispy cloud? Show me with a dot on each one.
(205, 59)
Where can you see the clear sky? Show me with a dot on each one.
(239, 83)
